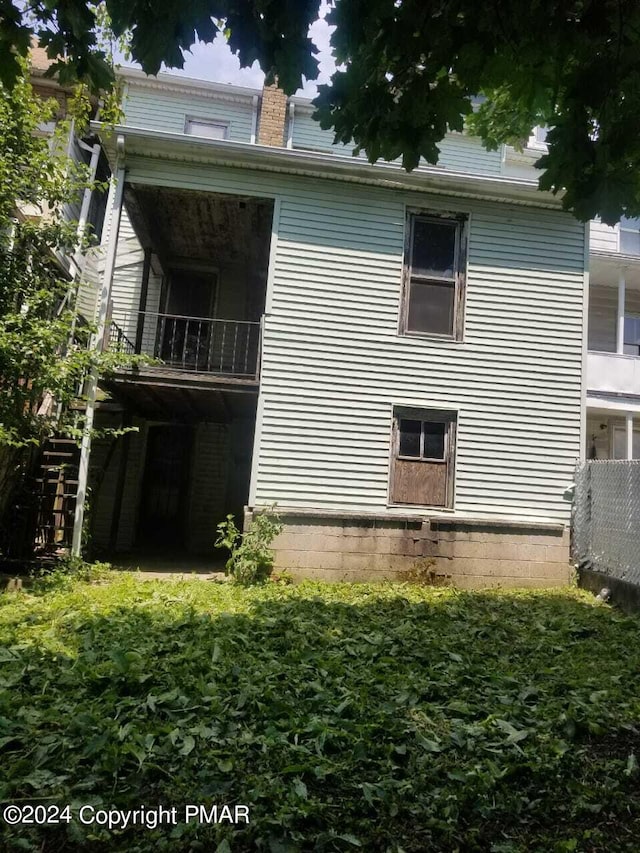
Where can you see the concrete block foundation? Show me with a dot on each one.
(468, 553)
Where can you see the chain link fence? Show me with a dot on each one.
(606, 518)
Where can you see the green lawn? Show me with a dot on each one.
(380, 718)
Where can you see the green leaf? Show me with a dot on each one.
(188, 745)
(300, 788)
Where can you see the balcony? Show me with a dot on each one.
(613, 373)
(220, 348)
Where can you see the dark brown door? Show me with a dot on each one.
(163, 504)
(185, 328)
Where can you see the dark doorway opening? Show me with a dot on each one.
(163, 504)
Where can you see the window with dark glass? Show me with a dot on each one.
(433, 277)
(632, 335)
(423, 452)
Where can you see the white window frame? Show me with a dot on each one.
(458, 280)
(209, 122)
(534, 143)
(621, 229)
(421, 457)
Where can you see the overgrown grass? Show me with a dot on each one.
(381, 718)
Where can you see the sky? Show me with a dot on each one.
(216, 62)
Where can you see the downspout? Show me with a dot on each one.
(254, 119)
(99, 343)
(292, 110)
(88, 194)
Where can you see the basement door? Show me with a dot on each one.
(163, 503)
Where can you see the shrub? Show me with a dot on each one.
(251, 558)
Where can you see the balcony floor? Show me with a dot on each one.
(166, 394)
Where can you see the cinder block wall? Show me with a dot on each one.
(461, 553)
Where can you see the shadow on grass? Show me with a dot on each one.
(345, 718)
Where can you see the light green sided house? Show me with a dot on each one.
(398, 361)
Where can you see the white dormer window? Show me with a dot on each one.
(207, 128)
(538, 138)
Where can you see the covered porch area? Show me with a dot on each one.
(190, 278)
(613, 428)
(181, 463)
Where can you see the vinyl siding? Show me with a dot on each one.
(334, 366)
(458, 152)
(127, 286)
(161, 110)
(603, 238)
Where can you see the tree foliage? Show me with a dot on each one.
(43, 343)
(408, 71)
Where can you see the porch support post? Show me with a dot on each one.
(620, 321)
(142, 308)
(629, 435)
(98, 344)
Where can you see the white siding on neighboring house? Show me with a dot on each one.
(334, 366)
(160, 109)
(602, 238)
(458, 152)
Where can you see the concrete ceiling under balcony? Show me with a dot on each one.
(183, 227)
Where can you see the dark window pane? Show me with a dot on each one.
(431, 308)
(410, 438)
(434, 246)
(433, 440)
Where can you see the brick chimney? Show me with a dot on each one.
(273, 116)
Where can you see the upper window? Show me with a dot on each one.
(434, 278)
(423, 453)
(209, 128)
(631, 335)
(629, 236)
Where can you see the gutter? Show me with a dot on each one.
(157, 143)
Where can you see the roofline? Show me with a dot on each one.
(337, 166)
(163, 80)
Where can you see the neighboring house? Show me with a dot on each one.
(613, 360)
(398, 361)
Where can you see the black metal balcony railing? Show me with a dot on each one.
(199, 344)
(118, 341)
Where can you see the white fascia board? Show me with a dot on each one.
(172, 146)
(180, 83)
(613, 404)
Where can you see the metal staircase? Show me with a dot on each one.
(55, 488)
